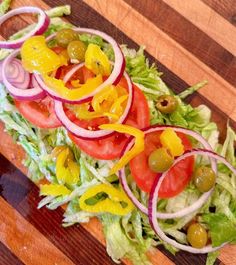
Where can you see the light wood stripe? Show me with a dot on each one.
(226, 9)
(209, 21)
(168, 52)
(25, 241)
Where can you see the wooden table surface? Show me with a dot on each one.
(190, 41)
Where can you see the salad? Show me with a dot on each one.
(106, 138)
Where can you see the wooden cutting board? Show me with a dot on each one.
(190, 41)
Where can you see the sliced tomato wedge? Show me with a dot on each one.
(112, 146)
(177, 178)
(40, 113)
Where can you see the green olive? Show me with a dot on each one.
(197, 235)
(76, 50)
(65, 36)
(204, 178)
(166, 104)
(160, 160)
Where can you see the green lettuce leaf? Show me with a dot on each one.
(4, 6)
(222, 230)
(59, 11)
(211, 257)
(118, 244)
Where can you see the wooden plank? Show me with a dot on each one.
(226, 9)
(209, 21)
(30, 246)
(189, 36)
(7, 257)
(169, 53)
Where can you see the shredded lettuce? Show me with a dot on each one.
(59, 11)
(192, 89)
(4, 6)
(118, 244)
(222, 229)
(129, 236)
(211, 257)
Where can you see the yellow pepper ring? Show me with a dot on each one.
(112, 204)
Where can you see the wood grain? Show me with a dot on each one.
(187, 51)
(208, 21)
(169, 53)
(226, 9)
(208, 50)
(23, 239)
(7, 257)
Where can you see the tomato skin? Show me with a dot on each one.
(177, 178)
(40, 113)
(111, 147)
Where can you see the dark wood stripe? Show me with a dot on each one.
(8, 258)
(75, 242)
(226, 8)
(14, 186)
(181, 258)
(189, 36)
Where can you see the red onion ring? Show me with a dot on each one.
(113, 79)
(66, 78)
(16, 75)
(19, 93)
(188, 209)
(73, 70)
(87, 134)
(152, 213)
(41, 27)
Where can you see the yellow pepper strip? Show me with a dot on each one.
(111, 204)
(67, 170)
(82, 112)
(117, 107)
(170, 140)
(112, 116)
(103, 100)
(74, 172)
(36, 56)
(58, 86)
(135, 150)
(53, 190)
(57, 150)
(62, 172)
(97, 61)
(76, 83)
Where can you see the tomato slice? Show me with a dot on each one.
(177, 178)
(111, 147)
(40, 112)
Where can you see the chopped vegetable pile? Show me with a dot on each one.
(106, 137)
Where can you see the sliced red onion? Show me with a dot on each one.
(40, 28)
(17, 92)
(113, 79)
(73, 70)
(88, 134)
(152, 212)
(196, 205)
(66, 78)
(16, 74)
